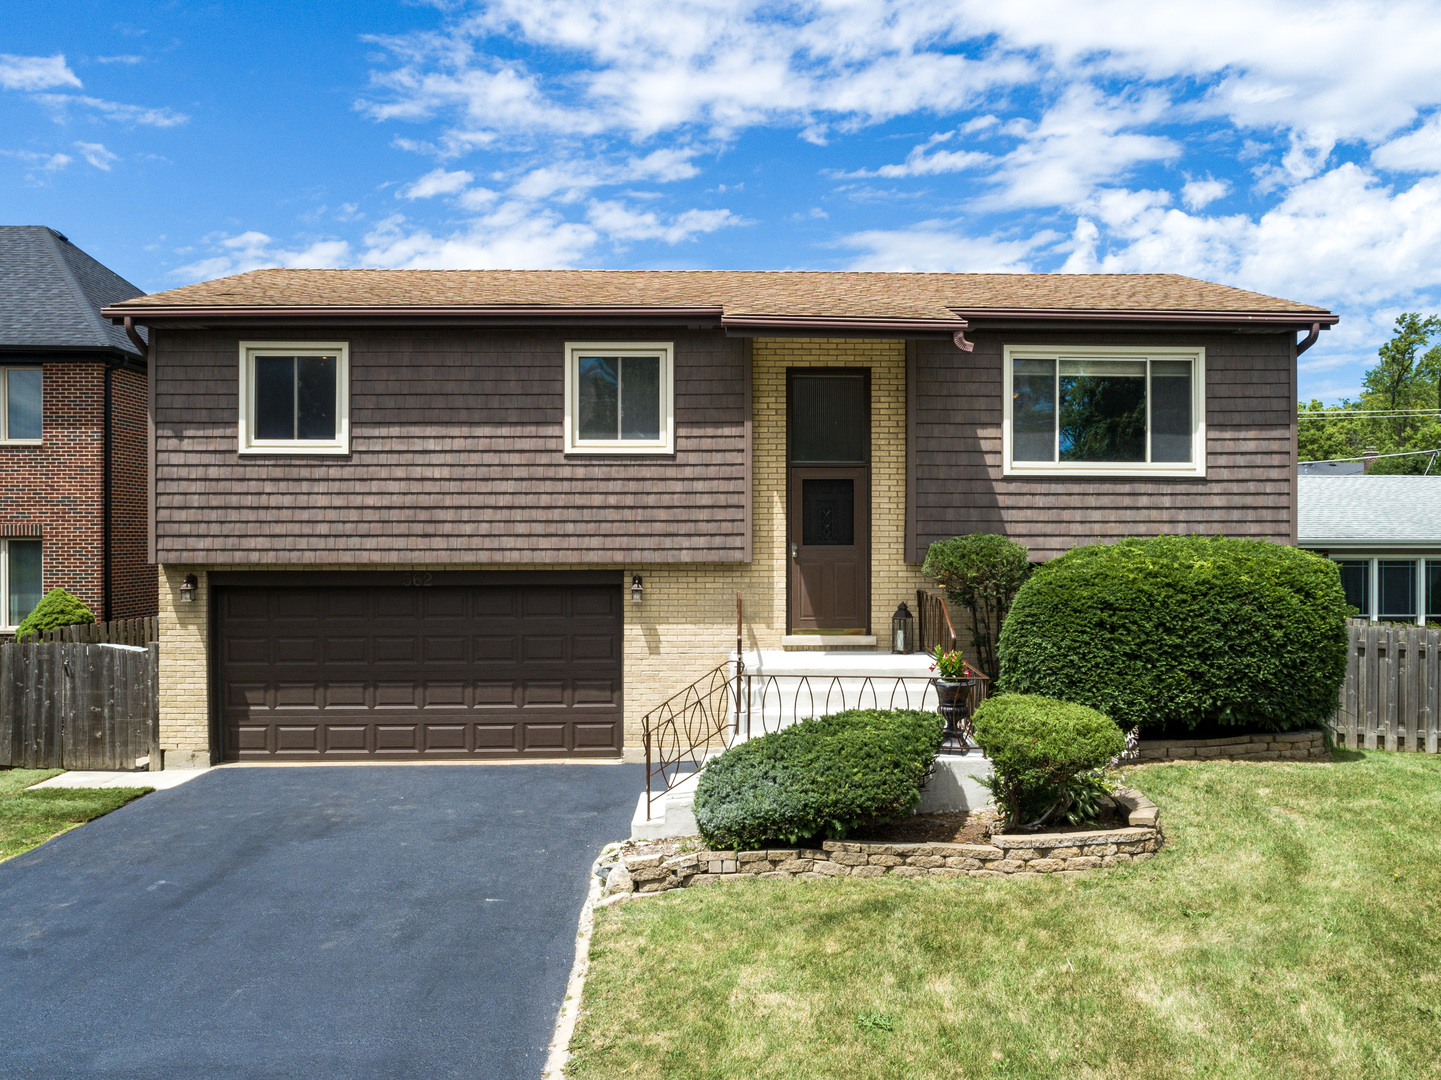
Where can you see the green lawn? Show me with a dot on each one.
(29, 818)
(1291, 928)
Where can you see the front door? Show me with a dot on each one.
(829, 499)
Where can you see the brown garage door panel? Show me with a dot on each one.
(447, 671)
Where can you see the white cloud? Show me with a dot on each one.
(437, 182)
(619, 222)
(253, 250)
(115, 111)
(924, 160)
(129, 58)
(42, 162)
(571, 180)
(1198, 194)
(512, 237)
(940, 248)
(97, 155)
(1416, 151)
(35, 72)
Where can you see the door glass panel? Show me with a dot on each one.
(1433, 590)
(24, 568)
(599, 397)
(315, 397)
(828, 512)
(1356, 583)
(1103, 410)
(1033, 415)
(22, 403)
(828, 418)
(1398, 590)
(275, 397)
(640, 397)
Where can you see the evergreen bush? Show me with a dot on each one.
(1182, 630)
(1046, 757)
(981, 573)
(819, 778)
(57, 608)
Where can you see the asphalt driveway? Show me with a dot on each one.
(345, 922)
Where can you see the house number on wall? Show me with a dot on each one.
(418, 581)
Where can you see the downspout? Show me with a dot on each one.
(1301, 346)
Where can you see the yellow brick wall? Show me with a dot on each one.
(686, 624)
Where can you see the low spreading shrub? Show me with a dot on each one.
(822, 777)
(1046, 757)
(57, 608)
(1183, 630)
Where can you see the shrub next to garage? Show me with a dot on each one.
(1183, 630)
(818, 778)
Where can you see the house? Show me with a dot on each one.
(72, 433)
(407, 514)
(1385, 534)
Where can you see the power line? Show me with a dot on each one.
(1373, 457)
(1347, 414)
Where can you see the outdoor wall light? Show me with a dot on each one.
(635, 589)
(902, 630)
(188, 587)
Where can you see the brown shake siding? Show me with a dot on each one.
(456, 456)
(956, 477)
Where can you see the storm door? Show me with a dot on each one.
(829, 501)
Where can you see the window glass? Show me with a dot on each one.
(1397, 588)
(22, 403)
(1103, 410)
(828, 512)
(1356, 583)
(1433, 589)
(315, 397)
(599, 387)
(23, 564)
(1170, 410)
(275, 397)
(1033, 404)
(640, 397)
(828, 418)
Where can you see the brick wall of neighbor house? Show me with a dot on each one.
(457, 456)
(1250, 460)
(133, 582)
(686, 623)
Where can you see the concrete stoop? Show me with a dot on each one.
(954, 786)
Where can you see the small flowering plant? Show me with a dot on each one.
(949, 665)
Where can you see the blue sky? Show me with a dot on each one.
(1289, 147)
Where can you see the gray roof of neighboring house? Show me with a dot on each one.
(51, 294)
(1354, 511)
(1332, 468)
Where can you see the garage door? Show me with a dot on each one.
(411, 672)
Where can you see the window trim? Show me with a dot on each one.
(5, 627)
(5, 439)
(1192, 470)
(634, 447)
(340, 444)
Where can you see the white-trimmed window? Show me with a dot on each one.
(19, 580)
(1393, 587)
(21, 397)
(294, 397)
(619, 397)
(1089, 411)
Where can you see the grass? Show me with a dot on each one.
(28, 818)
(1290, 928)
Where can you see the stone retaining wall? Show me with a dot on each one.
(1066, 854)
(1271, 746)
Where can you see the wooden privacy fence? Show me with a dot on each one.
(79, 706)
(115, 632)
(1391, 699)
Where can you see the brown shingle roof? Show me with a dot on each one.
(736, 293)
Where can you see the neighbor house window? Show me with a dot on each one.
(1104, 412)
(20, 397)
(1392, 589)
(19, 581)
(294, 397)
(619, 398)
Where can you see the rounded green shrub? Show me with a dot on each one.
(821, 777)
(1182, 631)
(1045, 755)
(57, 608)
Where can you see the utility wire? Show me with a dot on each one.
(1373, 457)
(1347, 414)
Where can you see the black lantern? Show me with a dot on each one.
(188, 587)
(635, 589)
(903, 630)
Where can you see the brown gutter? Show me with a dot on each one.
(1284, 318)
(1309, 340)
(147, 313)
(135, 338)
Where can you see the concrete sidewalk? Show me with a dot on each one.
(160, 781)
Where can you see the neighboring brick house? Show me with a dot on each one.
(72, 434)
(407, 514)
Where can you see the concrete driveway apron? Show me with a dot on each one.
(347, 922)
